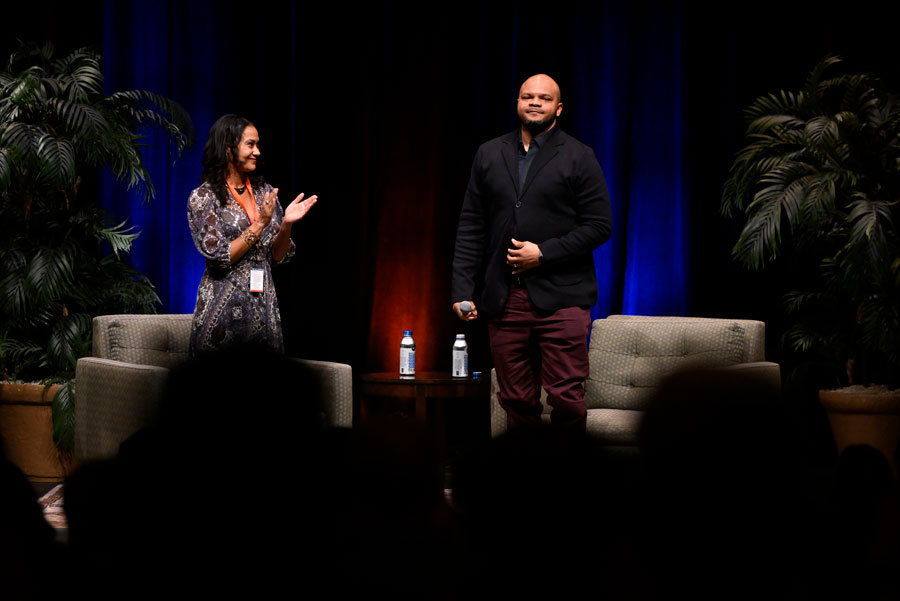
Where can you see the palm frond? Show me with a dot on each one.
(120, 237)
(81, 121)
(760, 237)
(796, 301)
(801, 339)
(26, 88)
(865, 102)
(880, 322)
(765, 123)
(9, 112)
(65, 340)
(123, 159)
(758, 160)
(135, 293)
(847, 119)
(21, 139)
(5, 168)
(13, 265)
(773, 104)
(63, 407)
(81, 75)
(148, 109)
(820, 200)
(821, 131)
(39, 316)
(50, 271)
(57, 162)
(12, 294)
(871, 222)
(19, 355)
(30, 55)
(792, 200)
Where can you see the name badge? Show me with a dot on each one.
(257, 280)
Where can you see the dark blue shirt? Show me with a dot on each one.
(525, 158)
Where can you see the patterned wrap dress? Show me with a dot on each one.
(227, 312)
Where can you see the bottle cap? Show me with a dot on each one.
(407, 332)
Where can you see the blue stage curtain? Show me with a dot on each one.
(148, 45)
(628, 107)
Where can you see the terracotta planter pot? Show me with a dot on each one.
(26, 427)
(864, 416)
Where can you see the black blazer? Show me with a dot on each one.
(563, 207)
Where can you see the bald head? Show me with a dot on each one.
(539, 103)
(541, 82)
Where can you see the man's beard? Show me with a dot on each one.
(539, 127)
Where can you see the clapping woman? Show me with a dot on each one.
(240, 228)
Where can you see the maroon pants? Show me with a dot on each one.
(533, 348)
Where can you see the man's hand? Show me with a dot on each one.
(473, 314)
(525, 256)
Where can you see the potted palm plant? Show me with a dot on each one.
(62, 259)
(819, 185)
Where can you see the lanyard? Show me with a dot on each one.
(249, 206)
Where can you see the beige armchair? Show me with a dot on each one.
(630, 356)
(117, 391)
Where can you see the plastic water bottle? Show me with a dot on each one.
(460, 357)
(407, 354)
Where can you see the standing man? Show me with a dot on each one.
(535, 209)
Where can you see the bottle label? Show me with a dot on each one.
(407, 361)
(460, 364)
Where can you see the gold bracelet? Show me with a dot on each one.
(249, 238)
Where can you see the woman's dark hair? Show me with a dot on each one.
(221, 144)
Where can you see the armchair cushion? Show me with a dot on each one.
(630, 355)
(160, 340)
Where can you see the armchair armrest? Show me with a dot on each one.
(335, 381)
(767, 372)
(113, 400)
